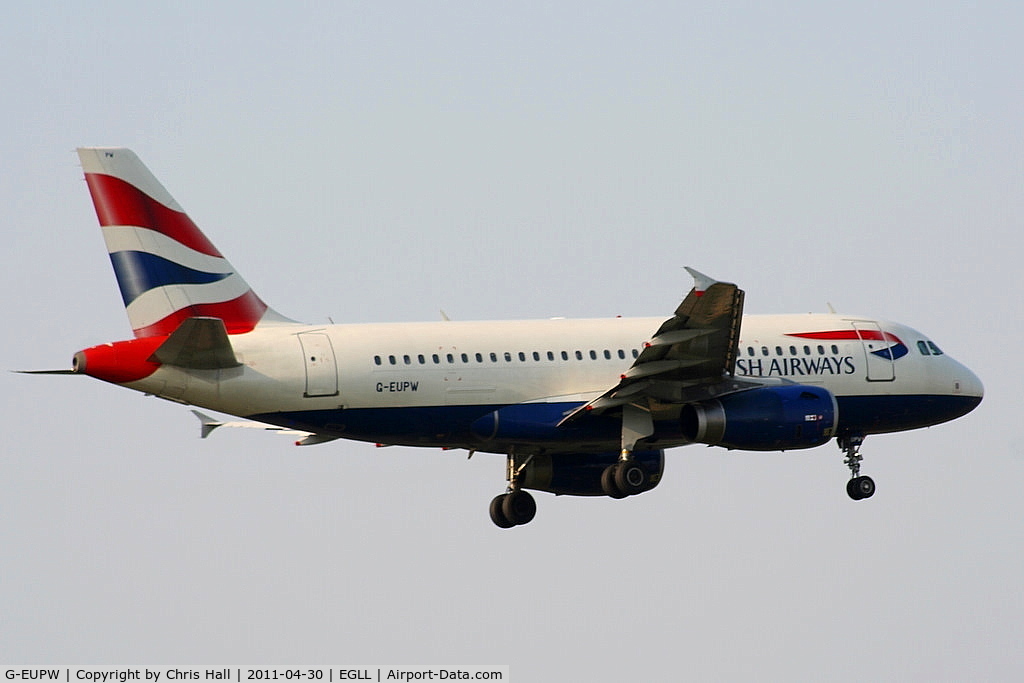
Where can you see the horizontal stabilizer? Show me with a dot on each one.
(199, 344)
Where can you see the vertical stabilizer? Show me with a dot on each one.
(165, 266)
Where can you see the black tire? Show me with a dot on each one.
(519, 507)
(860, 488)
(498, 514)
(865, 487)
(608, 484)
(630, 477)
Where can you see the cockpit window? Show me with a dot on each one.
(935, 349)
(923, 348)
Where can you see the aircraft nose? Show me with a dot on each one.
(967, 390)
(969, 384)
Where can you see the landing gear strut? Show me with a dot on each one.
(858, 487)
(516, 506)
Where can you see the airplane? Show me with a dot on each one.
(577, 407)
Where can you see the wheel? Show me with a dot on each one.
(498, 515)
(608, 484)
(866, 487)
(519, 507)
(630, 477)
(860, 488)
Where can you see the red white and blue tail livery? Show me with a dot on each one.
(578, 407)
(167, 269)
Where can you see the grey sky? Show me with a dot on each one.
(379, 162)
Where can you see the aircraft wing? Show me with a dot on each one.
(208, 424)
(691, 357)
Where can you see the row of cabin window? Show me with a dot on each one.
(926, 348)
(793, 350)
(507, 355)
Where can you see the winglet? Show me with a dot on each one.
(701, 282)
(208, 424)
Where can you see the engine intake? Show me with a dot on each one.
(764, 419)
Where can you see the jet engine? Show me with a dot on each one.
(764, 419)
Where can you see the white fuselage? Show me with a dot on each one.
(289, 371)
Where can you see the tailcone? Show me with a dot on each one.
(118, 362)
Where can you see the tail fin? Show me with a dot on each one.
(167, 269)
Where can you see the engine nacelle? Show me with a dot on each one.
(764, 419)
(579, 474)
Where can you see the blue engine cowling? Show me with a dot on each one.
(764, 419)
(579, 474)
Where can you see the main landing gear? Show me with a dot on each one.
(627, 477)
(515, 507)
(858, 487)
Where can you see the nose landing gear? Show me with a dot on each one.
(859, 487)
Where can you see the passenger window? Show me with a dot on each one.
(551, 355)
(636, 354)
(465, 358)
(408, 361)
(764, 350)
(607, 354)
(935, 349)
(494, 357)
(778, 350)
(565, 355)
(450, 358)
(835, 350)
(807, 350)
(377, 361)
(391, 359)
(579, 355)
(421, 359)
(750, 350)
(522, 357)
(508, 357)
(792, 350)
(536, 356)
(622, 354)
(593, 354)
(479, 358)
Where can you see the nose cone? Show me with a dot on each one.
(971, 386)
(967, 388)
